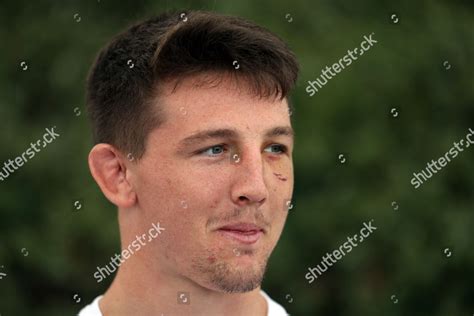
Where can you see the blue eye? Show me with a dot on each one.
(217, 150)
(213, 152)
(282, 148)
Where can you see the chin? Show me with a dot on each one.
(239, 271)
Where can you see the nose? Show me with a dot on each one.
(249, 186)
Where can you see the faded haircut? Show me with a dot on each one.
(122, 91)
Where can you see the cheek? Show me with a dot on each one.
(280, 177)
(201, 176)
(184, 236)
(282, 184)
(282, 171)
(277, 226)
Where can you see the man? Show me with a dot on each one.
(197, 225)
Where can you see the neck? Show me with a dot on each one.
(140, 289)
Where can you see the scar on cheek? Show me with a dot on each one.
(280, 176)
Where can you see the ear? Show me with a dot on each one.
(109, 170)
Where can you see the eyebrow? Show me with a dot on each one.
(232, 134)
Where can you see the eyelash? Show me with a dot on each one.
(283, 149)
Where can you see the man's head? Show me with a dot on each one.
(161, 97)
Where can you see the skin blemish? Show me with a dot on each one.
(280, 176)
(211, 259)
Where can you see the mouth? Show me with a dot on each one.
(245, 233)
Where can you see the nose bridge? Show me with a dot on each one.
(250, 183)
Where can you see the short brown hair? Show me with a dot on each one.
(123, 82)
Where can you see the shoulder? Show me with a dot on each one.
(274, 309)
(92, 309)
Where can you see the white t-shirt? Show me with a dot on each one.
(274, 309)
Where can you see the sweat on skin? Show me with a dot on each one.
(189, 158)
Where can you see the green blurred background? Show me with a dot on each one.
(49, 250)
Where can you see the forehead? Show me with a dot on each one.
(206, 102)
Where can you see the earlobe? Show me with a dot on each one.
(109, 171)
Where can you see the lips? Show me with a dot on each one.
(242, 227)
(245, 233)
